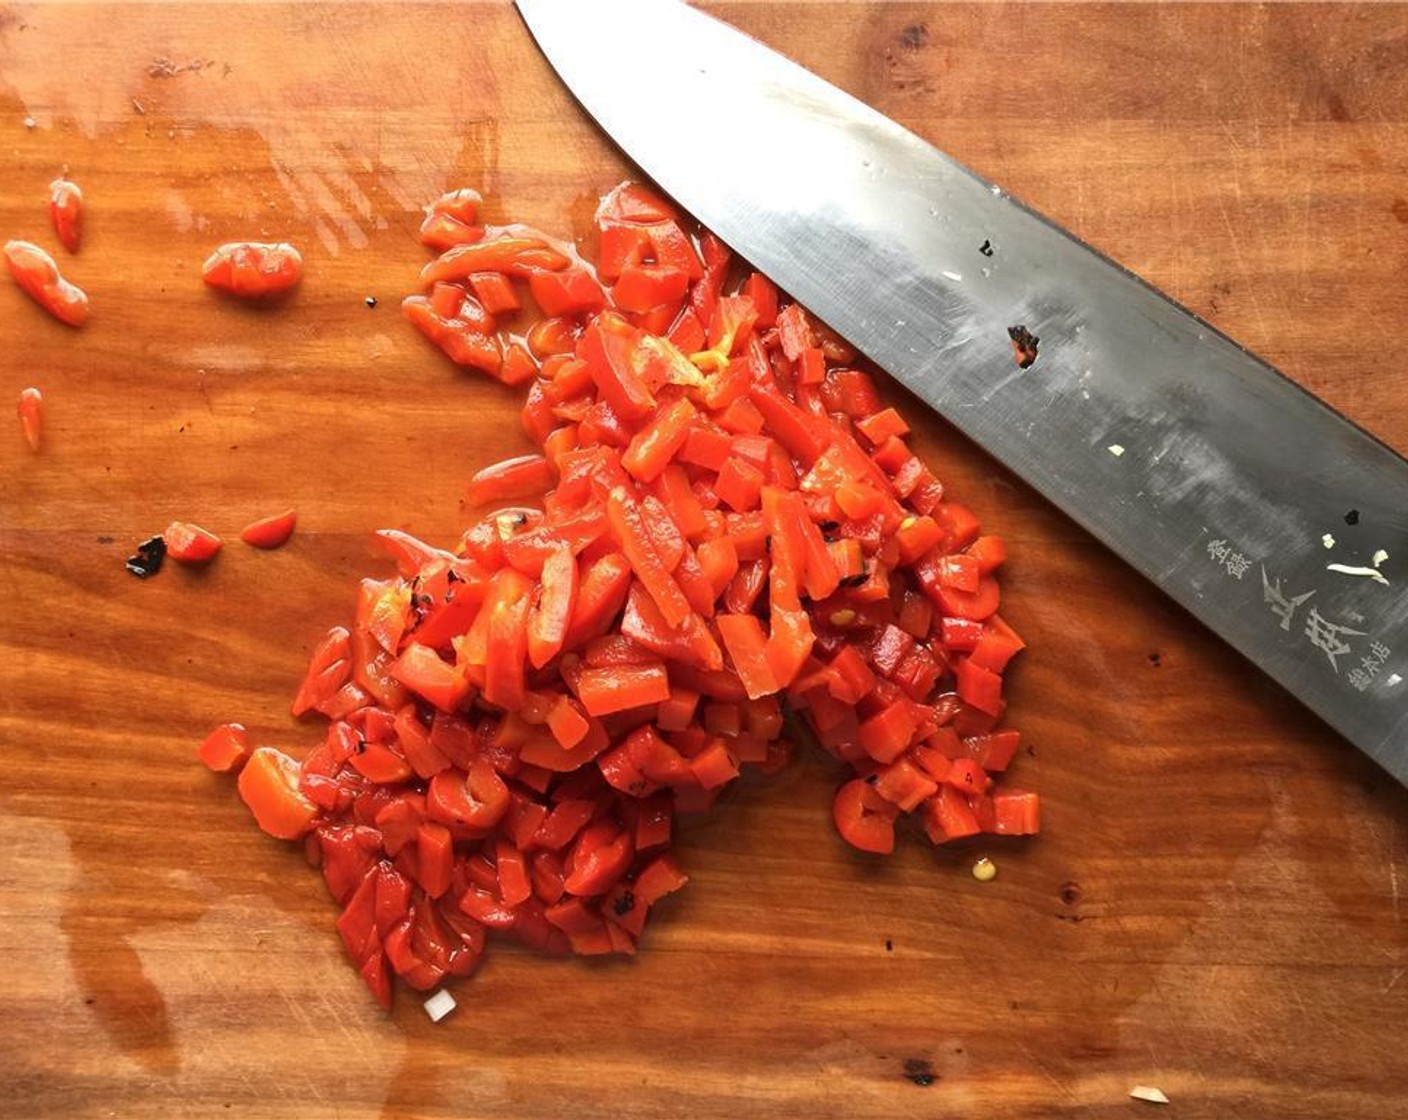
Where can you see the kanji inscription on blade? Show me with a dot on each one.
(1353, 654)
(1231, 561)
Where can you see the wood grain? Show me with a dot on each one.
(1215, 905)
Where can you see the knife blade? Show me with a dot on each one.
(1201, 465)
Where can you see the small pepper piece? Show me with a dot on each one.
(189, 543)
(66, 211)
(37, 273)
(31, 413)
(270, 532)
(253, 269)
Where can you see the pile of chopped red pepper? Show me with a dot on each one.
(731, 530)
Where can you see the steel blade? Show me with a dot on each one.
(1201, 465)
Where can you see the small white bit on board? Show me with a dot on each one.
(439, 1005)
(1328, 540)
(1116, 449)
(1148, 1093)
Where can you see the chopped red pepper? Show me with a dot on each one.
(190, 544)
(253, 269)
(450, 220)
(226, 748)
(66, 211)
(34, 270)
(270, 532)
(516, 721)
(31, 414)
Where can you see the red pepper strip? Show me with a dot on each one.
(552, 338)
(567, 724)
(641, 287)
(665, 535)
(268, 784)
(688, 644)
(517, 256)
(886, 735)
(714, 766)
(1016, 813)
(189, 543)
(739, 484)
(609, 347)
(495, 293)
(672, 247)
(961, 523)
(379, 764)
(66, 212)
(37, 273)
(804, 435)
(384, 612)
(328, 669)
(748, 649)
(507, 650)
(270, 532)
(477, 799)
(521, 477)
(996, 647)
(790, 638)
(706, 293)
(425, 758)
(989, 552)
(674, 491)
(947, 816)
(377, 603)
(652, 448)
(506, 588)
(515, 887)
(993, 751)
(31, 413)
(794, 333)
(434, 858)
(226, 748)
(462, 342)
(763, 293)
(620, 688)
(977, 605)
(450, 220)
(451, 615)
(958, 572)
(544, 751)
(425, 673)
(811, 369)
(631, 532)
(905, 785)
(409, 553)
(622, 247)
(551, 614)
(978, 686)
(569, 291)
(601, 593)
(253, 269)
(599, 858)
(706, 447)
(695, 584)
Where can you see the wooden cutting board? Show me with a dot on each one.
(1214, 906)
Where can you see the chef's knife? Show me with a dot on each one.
(1276, 521)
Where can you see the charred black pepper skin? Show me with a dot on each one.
(147, 560)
